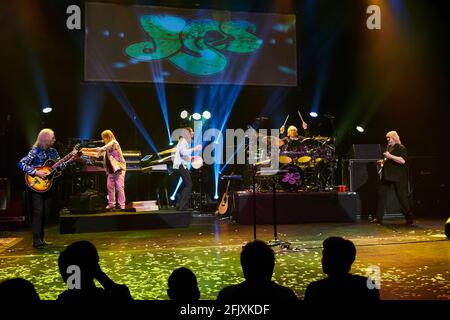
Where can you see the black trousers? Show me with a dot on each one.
(40, 207)
(185, 197)
(401, 191)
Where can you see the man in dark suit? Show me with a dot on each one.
(394, 173)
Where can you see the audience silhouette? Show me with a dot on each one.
(79, 268)
(183, 287)
(84, 255)
(18, 290)
(258, 262)
(338, 256)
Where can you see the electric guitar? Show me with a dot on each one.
(39, 184)
(380, 167)
(223, 206)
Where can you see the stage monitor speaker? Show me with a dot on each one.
(364, 180)
(90, 201)
(365, 151)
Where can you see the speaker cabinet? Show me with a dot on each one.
(364, 180)
(430, 186)
(365, 151)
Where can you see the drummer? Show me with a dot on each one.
(292, 141)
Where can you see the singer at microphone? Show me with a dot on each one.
(393, 172)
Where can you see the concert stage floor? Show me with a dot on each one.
(414, 262)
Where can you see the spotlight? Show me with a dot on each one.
(196, 116)
(47, 109)
(184, 114)
(206, 115)
(313, 114)
(171, 143)
(359, 129)
(216, 197)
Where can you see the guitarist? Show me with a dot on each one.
(40, 203)
(394, 173)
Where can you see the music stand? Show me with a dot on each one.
(271, 174)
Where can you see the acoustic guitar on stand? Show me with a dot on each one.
(223, 206)
(39, 184)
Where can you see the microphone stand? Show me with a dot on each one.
(254, 200)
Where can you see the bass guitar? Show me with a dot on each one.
(39, 184)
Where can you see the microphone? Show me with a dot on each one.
(328, 116)
(96, 141)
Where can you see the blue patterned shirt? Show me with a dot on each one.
(37, 157)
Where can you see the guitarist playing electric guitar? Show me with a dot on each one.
(33, 164)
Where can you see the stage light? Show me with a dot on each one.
(206, 115)
(359, 129)
(196, 116)
(313, 114)
(184, 114)
(171, 143)
(47, 109)
(216, 197)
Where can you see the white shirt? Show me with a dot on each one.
(182, 154)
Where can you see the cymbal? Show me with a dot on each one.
(321, 138)
(167, 151)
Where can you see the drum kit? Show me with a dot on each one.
(306, 164)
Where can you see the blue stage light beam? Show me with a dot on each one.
(172, 197)
(91, 104)
(120, 96)
(39, 82)
(326, 55)
(220, 100)
(157, 75)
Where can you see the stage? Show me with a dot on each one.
(123, 220)
(297, 207)
(413, 261)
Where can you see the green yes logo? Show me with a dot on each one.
(196, 47)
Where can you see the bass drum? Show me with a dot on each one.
(292, 180)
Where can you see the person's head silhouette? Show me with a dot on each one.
(183, 286)
(84, 255)
(257, 261)
(18, 289)
(338, 256)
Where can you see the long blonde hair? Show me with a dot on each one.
(394, 136)
(43, 138)
(108, 135)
